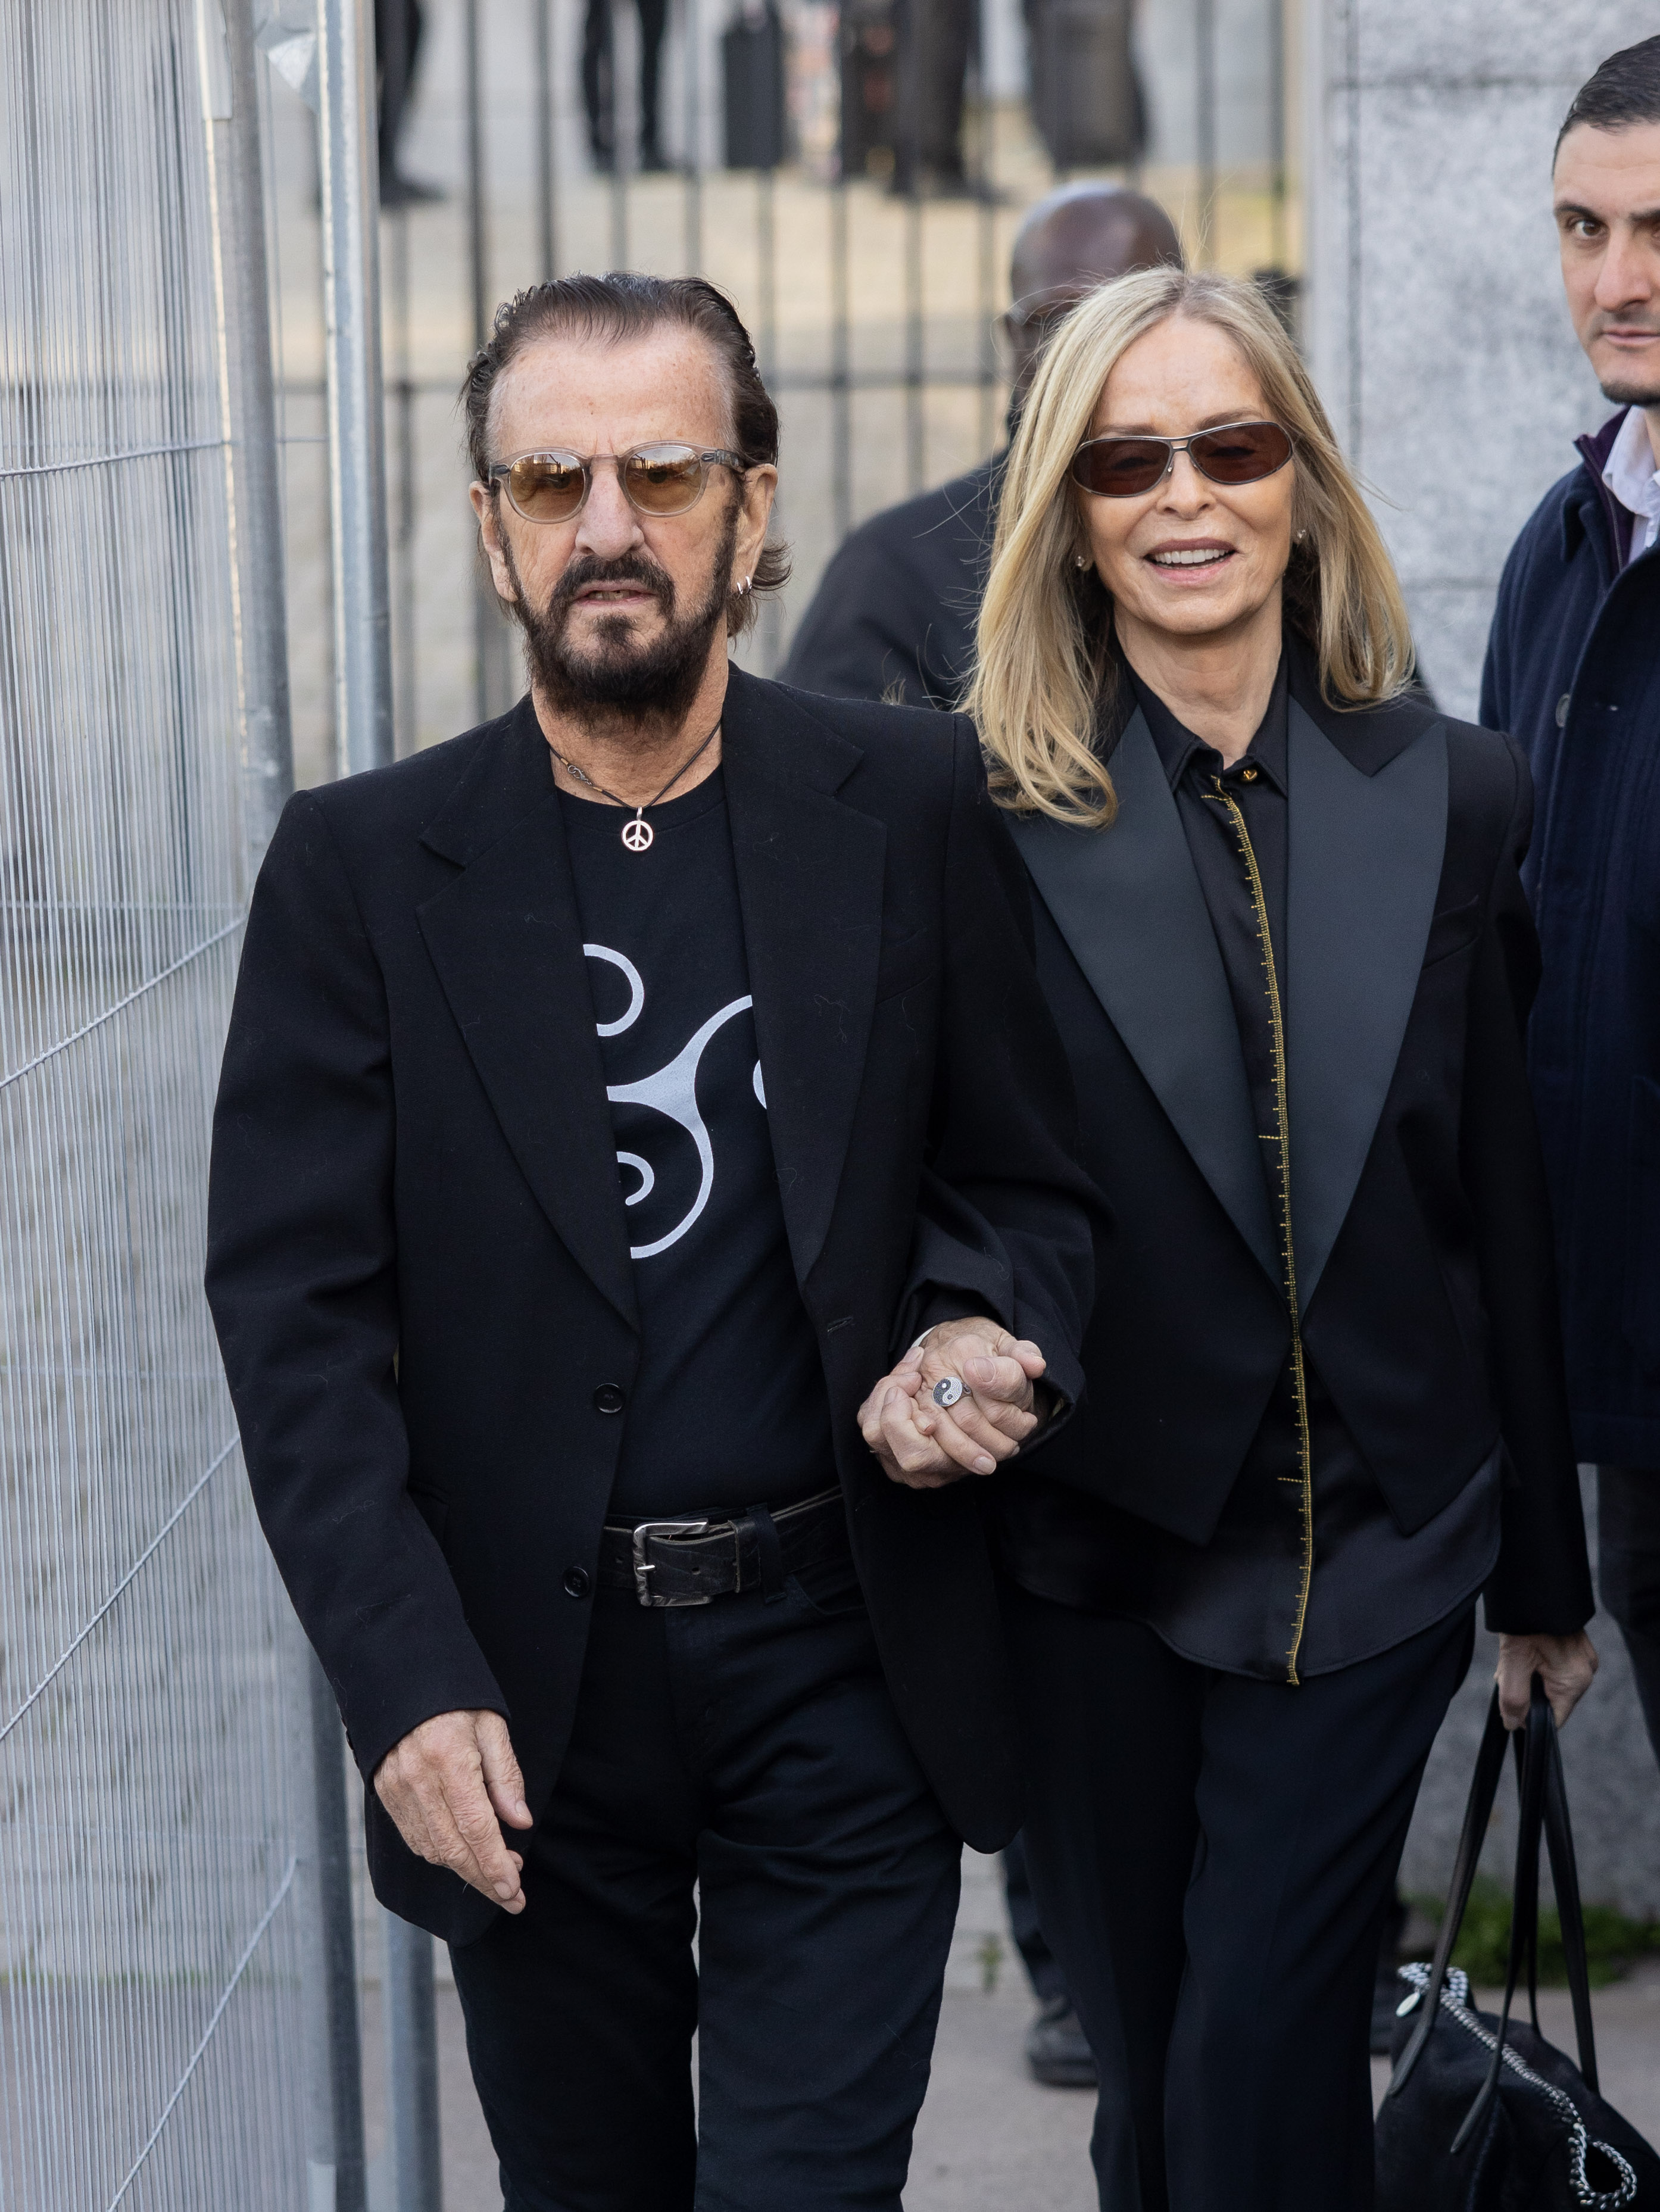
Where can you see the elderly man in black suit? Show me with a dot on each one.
(611, 1094)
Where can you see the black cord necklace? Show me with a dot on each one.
(638, 834)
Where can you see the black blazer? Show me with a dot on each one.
(417, 1257)
(1423, 1235)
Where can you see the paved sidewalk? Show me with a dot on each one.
(990, 2139)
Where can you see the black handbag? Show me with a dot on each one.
(1483, 2115)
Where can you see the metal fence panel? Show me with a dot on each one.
(149, 2021)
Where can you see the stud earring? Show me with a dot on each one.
(1080, 560)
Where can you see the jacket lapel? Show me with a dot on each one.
(1127, 902)
(810, 883)
(506, 939)
(1368, 826)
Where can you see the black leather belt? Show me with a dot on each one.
(669, 1562)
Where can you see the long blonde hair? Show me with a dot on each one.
(1045, 675)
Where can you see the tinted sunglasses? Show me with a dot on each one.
(554, 487)
(1233, 453)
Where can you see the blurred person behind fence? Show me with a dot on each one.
(399, 28)
(894, 614)
(894, 617)
(1281, 928)
(1573, 669)
(612, 1096)
(599, 87)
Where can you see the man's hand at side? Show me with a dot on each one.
(926, 1446)
(449, 1784)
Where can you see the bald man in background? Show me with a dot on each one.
(893, 616)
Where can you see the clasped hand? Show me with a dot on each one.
(924, 1445)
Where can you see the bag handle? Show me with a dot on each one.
(1484, 1788)
(1546, 1804)
(1534, 1751)
(1564, 1875)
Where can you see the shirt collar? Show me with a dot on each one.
(1629, 471)
(1179, 749)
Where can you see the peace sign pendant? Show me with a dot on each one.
(638, 834)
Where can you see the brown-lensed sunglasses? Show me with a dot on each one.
(668, 479)
(1233, 453)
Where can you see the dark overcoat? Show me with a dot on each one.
(895, 612)
(1573, 671)
(418, 1259)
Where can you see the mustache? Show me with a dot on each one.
(627, 569)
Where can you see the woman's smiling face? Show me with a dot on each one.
(1190, 558)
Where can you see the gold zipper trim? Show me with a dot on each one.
(1281, 1137)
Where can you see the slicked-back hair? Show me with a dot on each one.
(613, 309)
(1623, 90)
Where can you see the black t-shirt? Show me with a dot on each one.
(729, 1407)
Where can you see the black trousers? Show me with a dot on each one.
(1212, 1858)
(748, 1747)
(598, 77)
(936, 38)
(1628, 1574)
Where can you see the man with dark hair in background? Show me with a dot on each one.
(1573, 672)
(613, 1096)
(894, 617)
(894, 614)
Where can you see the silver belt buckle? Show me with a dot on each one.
(643, 1566)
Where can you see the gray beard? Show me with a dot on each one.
(652, 683)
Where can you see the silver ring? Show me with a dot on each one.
(947, 1390)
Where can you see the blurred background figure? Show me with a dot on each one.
(1087, 96)
(935, 40)
(397, 28)
(894, 616)
(599, 84)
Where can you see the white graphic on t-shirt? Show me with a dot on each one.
(671, 1091)
(636, 996)
(648, 1176)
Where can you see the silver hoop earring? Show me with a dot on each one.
(744, 588)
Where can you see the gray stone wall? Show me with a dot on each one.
(1439, 338)
(1436, 322)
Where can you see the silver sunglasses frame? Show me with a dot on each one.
(1175, 445)
(501, 472)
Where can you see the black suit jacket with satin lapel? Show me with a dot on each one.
(418, 1263)
(1423, 1241)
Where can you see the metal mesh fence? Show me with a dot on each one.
(148, 1944)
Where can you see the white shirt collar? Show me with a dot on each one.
(1630, 474)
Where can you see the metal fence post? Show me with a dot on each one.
(332, 2066)
(351, 317)
(256, 485)
(412, 2067)
(351, 290)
